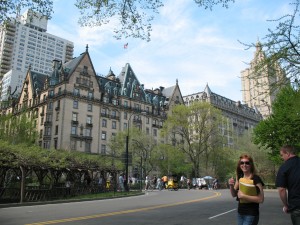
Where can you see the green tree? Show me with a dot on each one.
(134, 17)
(170, 161)
(18, 128)
(265, 167)
(281, 48)
(283, 126)
(9, 8)
(140, 147)
(194, 130)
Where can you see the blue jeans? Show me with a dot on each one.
(247, 219)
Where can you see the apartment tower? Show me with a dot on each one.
(24, 43)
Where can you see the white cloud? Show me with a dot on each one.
(187, 43)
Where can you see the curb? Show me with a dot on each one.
(9, 205)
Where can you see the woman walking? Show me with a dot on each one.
(248, 189)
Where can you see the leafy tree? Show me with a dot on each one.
(170, 161)
(194, 131)
(18, 128)
(14, 8)
(134, 17)
(265, 167)
(283, 126)
(140, 147)
(280, 48)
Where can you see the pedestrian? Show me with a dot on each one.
(159, 183)
(121, 182)
(68, 188)
(165, 181)
(188, 183)
(147, 183)
(288, 183)
(251, 195)
(182, 178)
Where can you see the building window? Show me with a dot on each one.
(104, 112)
(56, 130)
(87, 146)
(90, 107)
(75, 104)
(76, 92)
(125, 115)
(125, 126)
(57, 116)
(58, 105)
(105, 100)
(48, 131)
(88, 132)
(155, 132)
(47, 144)
(115, 102)
(114, 125)
(103, 135)
(104, 122)
(113, 114)
(74, 116)
(125, 104)
(74, 130)
(147, 120)
(90, 95)
(147, 130)
(89, 120)
(50, 105)
(55, 143)
(103, 149)
(49, 118)
(73, 144)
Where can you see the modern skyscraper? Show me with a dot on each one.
(24, 42)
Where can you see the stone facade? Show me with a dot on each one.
(260, 88)
(239, 116)
(75, 109)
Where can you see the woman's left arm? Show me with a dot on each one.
(257, 199)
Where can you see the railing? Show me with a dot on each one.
(34, 194)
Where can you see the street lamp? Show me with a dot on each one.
(127, 155)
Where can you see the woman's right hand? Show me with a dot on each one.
(231, 181)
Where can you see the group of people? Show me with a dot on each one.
(156, 182)
(287, 183)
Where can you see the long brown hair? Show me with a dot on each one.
(239, 172)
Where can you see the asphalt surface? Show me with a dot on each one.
(181, 207)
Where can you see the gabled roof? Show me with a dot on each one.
(71, 65)
(130, 83)
(37, 80)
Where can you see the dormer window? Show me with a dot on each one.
(76, 91)
(85, 70)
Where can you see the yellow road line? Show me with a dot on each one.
(216, 194)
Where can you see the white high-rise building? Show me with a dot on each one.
(24, 42)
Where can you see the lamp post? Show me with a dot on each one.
(127, 155)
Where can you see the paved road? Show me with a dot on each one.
(181, 207)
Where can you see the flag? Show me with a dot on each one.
(125, 45)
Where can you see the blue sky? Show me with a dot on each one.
(188, 43)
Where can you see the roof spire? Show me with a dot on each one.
(87, 48)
